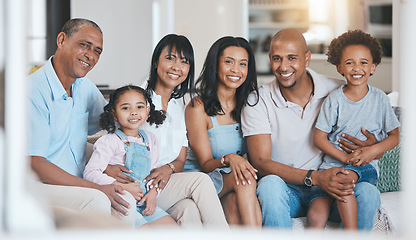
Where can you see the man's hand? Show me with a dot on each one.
(117, 202)
(117, 172)
(334, 182)
(161, 176)
(355, 143)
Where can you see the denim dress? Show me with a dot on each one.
(138, 160)
(224, 139)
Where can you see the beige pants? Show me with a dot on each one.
(190, 198)
(83, 208)
(76, 198)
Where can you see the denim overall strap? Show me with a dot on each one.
(145, 139)
(214, 121)
(121, 135)
(137, 157)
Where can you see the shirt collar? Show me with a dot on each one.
(58, 90)
(157, 100)
(319, 90)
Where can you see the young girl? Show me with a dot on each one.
(348, 109)
(130, 107)
(213, 125)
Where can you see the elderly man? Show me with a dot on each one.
(65, 108)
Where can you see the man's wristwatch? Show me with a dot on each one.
(308, 180)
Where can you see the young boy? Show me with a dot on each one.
(348, 109)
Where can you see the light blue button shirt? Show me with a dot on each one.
(59, 124)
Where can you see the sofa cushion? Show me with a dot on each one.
(389, 173)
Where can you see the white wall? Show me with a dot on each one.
(127, 29)
(203, 22)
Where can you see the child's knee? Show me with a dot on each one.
(352, 175)
(316, 218)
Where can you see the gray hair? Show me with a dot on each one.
(73, 25)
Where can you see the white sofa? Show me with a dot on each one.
(387, 220)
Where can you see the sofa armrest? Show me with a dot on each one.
(390, 207)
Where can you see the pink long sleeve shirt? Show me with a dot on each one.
(109, 150)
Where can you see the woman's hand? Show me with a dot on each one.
(117, 172)
(161, 176)
(150, 199)
(243, 171)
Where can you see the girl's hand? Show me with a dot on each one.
(150, 199)
(241, 168)
(161, 176)
(133, 188)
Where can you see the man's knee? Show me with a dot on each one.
(367, 195)
(368, 203)
(96, 200)
(130, 219)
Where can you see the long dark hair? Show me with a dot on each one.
(208, 80)
(107, 117)
(184, 48)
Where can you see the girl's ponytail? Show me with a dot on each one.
(107, 119)
(155, 116)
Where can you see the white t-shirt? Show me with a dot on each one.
(171, 134)
(291, 128)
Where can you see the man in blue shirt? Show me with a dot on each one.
(65, 108)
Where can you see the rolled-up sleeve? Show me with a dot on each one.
(254, 118)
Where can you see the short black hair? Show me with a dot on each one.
(353, 37)
(73, 25)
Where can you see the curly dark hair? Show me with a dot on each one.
(208, 80)
(355, 37)
(107, 117)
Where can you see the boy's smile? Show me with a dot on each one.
(356, 65)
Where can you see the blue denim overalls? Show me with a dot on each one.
(138, 160)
